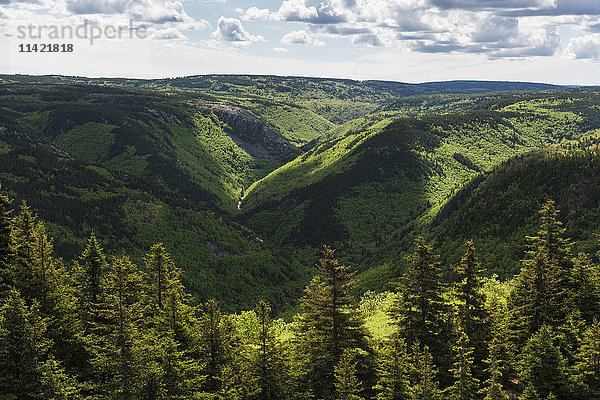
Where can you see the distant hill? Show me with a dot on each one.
(363, 166)
(302, 108)
(139, 168)
(369, 190)
(498, 208)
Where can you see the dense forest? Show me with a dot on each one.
(99, 327)
(156, 237)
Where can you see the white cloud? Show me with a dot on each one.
(232, 30)
(154, 11)
(585, 47)
(280, 50)
(319, 43)
(495, 29)
(168, 34)
(296, 37)
(296, 10)
(254, 14)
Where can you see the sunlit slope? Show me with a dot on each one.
(498, 208)
(301, 108)
(185, 145)
(129, 213)
(365, 190)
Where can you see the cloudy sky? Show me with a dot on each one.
(554, 41)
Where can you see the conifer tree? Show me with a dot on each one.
(347, 385)
(542, 366)
(88, 274)
(158, 267)
(475, 319)
(6, 248)
(26, 371)
(421, 314)
(392, 370)
(330, 324)
(587, 366)
(493, 386)
(22, 347)
(116, 332)
(534, 299)
(543, 291)
(465, 385)
(171, 348)
(215, 344)
(585, 284)
(58, 302)
(269, 363)
(550, 241)
(23, 241)
(55, 383)
(424, 384)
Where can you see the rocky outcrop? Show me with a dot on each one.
(256, 137)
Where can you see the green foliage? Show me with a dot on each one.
(130, 168)
(372, 188)
(465, 385)
(269, 363)
(347, 385)
(493, 389)
(542, 366)
(587, 366)
(329, 325)
(424, 384)
(145, 340)
(25, 370)
(540, 294)
(393, 370)
(421, 314)
(474, 318)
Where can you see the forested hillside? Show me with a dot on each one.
(373, 187)
(363, 166)
(302, 109)
(108, 329)
(139, 168)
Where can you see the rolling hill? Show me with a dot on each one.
(363, 166)
(368, 190)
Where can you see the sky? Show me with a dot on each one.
(554, 41)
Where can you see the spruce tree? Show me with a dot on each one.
(26, 369)
(587, 367)
(542, 366)
(493, 389)
(88, 274)
(215, 345)
(115, 334)
(475, 319)
(58, 302)
(347, 385)
(330, 324)
(421, 314)
(6, 248)
(424, 383)
(170, 344)
(158, 266)
(465, 385)
(22, 347)
(269, 362)
(23, 241)
(550, 240)
(392, 370)
(585, 283)
(543, 290)
(534, 300)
